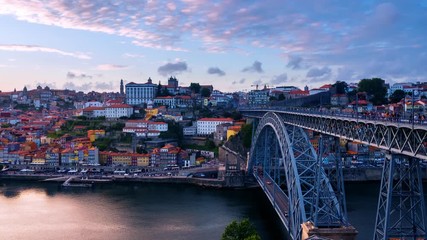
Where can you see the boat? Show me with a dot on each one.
(77, 185)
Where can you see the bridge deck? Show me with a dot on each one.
(279, 200)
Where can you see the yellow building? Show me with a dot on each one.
(150, 112)
(95, 134)
(39, 158)
(233, 130)
(143, 160)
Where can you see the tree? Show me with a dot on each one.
(195, 87)
(375, 89)
(340, 87)
(246, 132)
(243, 230)
(281, 97)
(205, 92)
(397, 95)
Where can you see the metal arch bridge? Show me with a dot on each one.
(399, 137)
(291, 174)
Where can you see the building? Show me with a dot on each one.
(169, 156)
(298, 94)
(121, 87)
(220, 133)
(206, 126)
(168, 101)
(258, 97)
(118, 111)
(339, 99)
(94, 112)
(137, 93)
(189, 131)
(144, 128)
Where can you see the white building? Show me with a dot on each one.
(206, 126)
(94, 112)
(137, 93)
(189, 131)
(92, 104)
(168, 101)
(118, 110)
(144, 128)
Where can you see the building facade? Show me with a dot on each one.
(137, 93)
(206, 126)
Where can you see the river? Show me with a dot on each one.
(30, 210)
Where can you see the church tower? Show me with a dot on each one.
(121, 87)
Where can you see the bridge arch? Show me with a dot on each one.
(287, 167)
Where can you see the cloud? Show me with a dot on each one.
(110, 67)
(347, 33)
(243, 80)
(72, 75)
(83, 87)
(256, 67)
(35, 48)
(319, 72)
(172, 68)
(215, 70)
(104, 86)
(132, 55)
(234, 83)
(280, 79)
(294, 62)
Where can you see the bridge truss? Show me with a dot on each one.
(290, 172)
(401, 209)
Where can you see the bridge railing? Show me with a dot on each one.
(409, 118)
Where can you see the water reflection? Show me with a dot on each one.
(132, 211)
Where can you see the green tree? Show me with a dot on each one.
(375, 89)
(246, 135)
(195, 87)
(397, 95)
(205, 92)
(340, 87)
(243, 230)
(281, 97)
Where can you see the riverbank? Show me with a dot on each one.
(203, 182)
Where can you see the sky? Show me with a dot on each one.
(90, 45)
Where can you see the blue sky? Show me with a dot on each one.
(92, 44)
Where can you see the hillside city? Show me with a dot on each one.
(146, 127)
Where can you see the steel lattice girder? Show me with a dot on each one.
(300, 167)
(401, 209)
(399, 138)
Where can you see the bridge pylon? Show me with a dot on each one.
(401, 208)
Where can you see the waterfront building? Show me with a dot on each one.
(53, 157)
(93, 156)
(124, 159)
(169, 156)
(206, 126)
(137, 93)
(39, 158)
